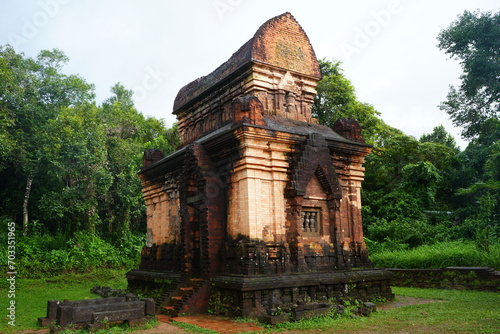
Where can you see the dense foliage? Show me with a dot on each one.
(474, 40)
(68, 166)
(421, 191)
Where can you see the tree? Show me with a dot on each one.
(439, 135)
(35, 91)
(125, 127)
(479, 198)
(7, 142)
(75, 159)
(158, 136)
(73, 163)
(336, 98)
(421, 180)
(128, 134)
(474, 39)
(398, 216)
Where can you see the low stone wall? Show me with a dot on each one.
(472, 278)
(96, 313)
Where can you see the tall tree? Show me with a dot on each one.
(336, 98)
(75, 159)
(124, 128)
(35, 92)
(129, 133)
(480, 163)
(474, 39)
(439, 135)
(7, 142)
(73, 163)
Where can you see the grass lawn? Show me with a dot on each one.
(460, 311)
(439, 255)
(32, 294)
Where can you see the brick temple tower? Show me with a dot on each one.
(261, 205)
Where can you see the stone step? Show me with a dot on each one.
(161, 298)
(173, 301)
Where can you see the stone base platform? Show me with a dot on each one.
(259, 295)
(247, 296)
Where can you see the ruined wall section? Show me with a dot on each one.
(161, 196)
(312, 220)
(313, 195)
(283, 92)
(258, 180)
(163, 249)
(348, 162)
(285, 69)
(277, 65)
(282, 42)
(202, 211)
(212, 110)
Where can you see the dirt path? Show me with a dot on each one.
(163, 327)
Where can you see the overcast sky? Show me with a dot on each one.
(388, 47)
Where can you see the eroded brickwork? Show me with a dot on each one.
(277, 65)
(259, 192)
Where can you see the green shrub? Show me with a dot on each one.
(90, 251)
(439, 255)
(406, 232)
(130, 245)
(41, 255)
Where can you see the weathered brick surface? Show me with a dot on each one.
(349, 128)
(255, 295)
(278, 66)
(259, 187)
(282, 42)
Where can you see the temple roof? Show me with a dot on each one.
(280, 42)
